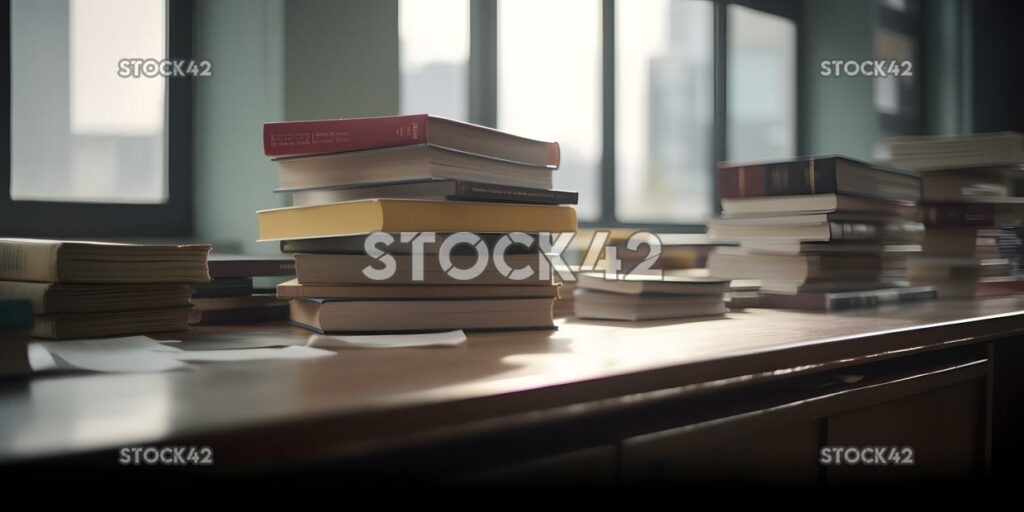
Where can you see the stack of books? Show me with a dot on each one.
(233, 295)
(820, 233)
(972, 240)
(399, 176)
(637, 297)
(89, 289)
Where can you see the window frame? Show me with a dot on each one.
(173, 218)
(483, 93)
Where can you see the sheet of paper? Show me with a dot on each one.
(131, 354)
(250, 354)
(432, 339)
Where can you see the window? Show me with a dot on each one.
(434, 57)
(553, 91)
(635, 92)
(761, 85)
(664, 84)
(89, 152)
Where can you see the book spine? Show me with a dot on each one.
(342, 135)
(29, 261)
(954, 214)
(779, 179)
(876, 298)
(467, 191)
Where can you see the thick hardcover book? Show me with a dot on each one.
(438, 190)
(397, 215)
(242, 266)
(818, 175)
(319, 137)
(54, 261)
(993, 214)
(847, 300)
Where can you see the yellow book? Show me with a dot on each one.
(398, 215)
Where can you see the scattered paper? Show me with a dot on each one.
(251, 354)
(433, 339)
(133, 354)
(138, 354)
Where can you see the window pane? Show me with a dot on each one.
(761, 92)
(79, 131)
(549, 85)
(434, 53)
(664, 80)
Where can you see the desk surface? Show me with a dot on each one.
(361, 396)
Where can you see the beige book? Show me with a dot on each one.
(421, 315)
(54, 261)
(293, 290)
(50, 298)
(119, 323)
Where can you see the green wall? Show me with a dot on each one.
(313, 59)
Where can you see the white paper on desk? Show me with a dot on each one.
(130, 354)
(250, 354)
(431, 339)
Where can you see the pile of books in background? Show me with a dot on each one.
(88, 289)
(351, 178)
(649, 297)
(972, 241)
(820, 233)
(234, 295)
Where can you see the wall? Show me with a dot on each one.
(313, 59)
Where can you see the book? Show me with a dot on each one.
(816, 228)
(15, 314)
(247, 309)
(333, 315)
(925, 153)
(294, 290)
(838, 246)
(817, 175)
(117, 323)
(349, 269)
(815, 203)
(993, 212)
(343, 135)
(836, 301)
(966, 184)
(970, 241)
(409, 163)
(974, 288)
(436, 190)
(356, 244)
(398, 215)
(226, 287)
(247, 266)
(48, 298)
(736, 264)
(649, 284)
(53, 261)
(600, 305)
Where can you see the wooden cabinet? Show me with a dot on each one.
(744, 450)
(943, 428)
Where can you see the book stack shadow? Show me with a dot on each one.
(972, 239)
(819, 233)
(87, 289)
(396, 222)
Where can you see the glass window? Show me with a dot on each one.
(761, 89)
(434, 55)
(549, 85)
(79, 131)
(664, 82)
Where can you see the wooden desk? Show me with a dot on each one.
(587, 394)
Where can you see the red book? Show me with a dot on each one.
(306, 138)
